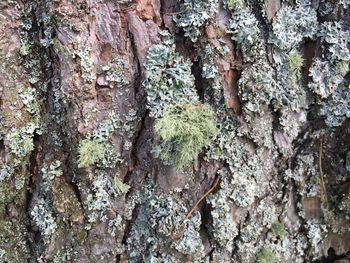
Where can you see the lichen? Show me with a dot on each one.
(121, 187)
(30, 100)
(185, 130)
(49, 172)
(328, 73)
(194, 13)
(233, 4)
(337, 39)
(116, 72)
(96, 148)
(245, 30)
(86, 64)
(278, 229)
(295, 63)
(21, 141)
(224, 229)
(326, 78)
(191, 242)
(101, 198)
(90, 152)
(257, 88)
(292, 25)
(158, 217)
(266, 255)
(315, 233)
(42, 215)
(169, 80)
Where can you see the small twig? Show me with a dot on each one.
(323, 188)
(181, 228)
(203, 196)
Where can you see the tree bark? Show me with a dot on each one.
(77, 80)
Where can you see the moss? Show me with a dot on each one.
(278, 229)
(295, 62)
(90, 152)
(185, 130)
(266, 255)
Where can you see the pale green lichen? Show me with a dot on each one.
(224, 229)
(278, 229)
(158, 217)
(5, 172)
(121, 187)
(185, 130)
(233, 4)
(316, 232)
(245, 30)
(24, 49)
(338, 40)
(266, 255)
(96, 148)
(49, 172)
(328, 73)
(295, 63)
(30, 100)
(21, 140)
(326, 78)
(337, 107)
(90, 152)
(115, 225)
(257, 87)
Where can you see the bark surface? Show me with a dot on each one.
(83, 177)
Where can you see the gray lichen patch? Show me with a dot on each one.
(194, 14)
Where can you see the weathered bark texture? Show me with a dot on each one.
(82, 170)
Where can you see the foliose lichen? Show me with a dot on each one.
(42, 215)
(116, 72)
(224, 229)
(292, 24)
(191, 243)
(90, 152)
(86, 64)
(169, 80)
(194, 13)
(102, 196)
(96, 148)
(245, 30)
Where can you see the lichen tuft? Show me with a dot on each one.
(185, 130)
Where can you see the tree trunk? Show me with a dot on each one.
(174, 131)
